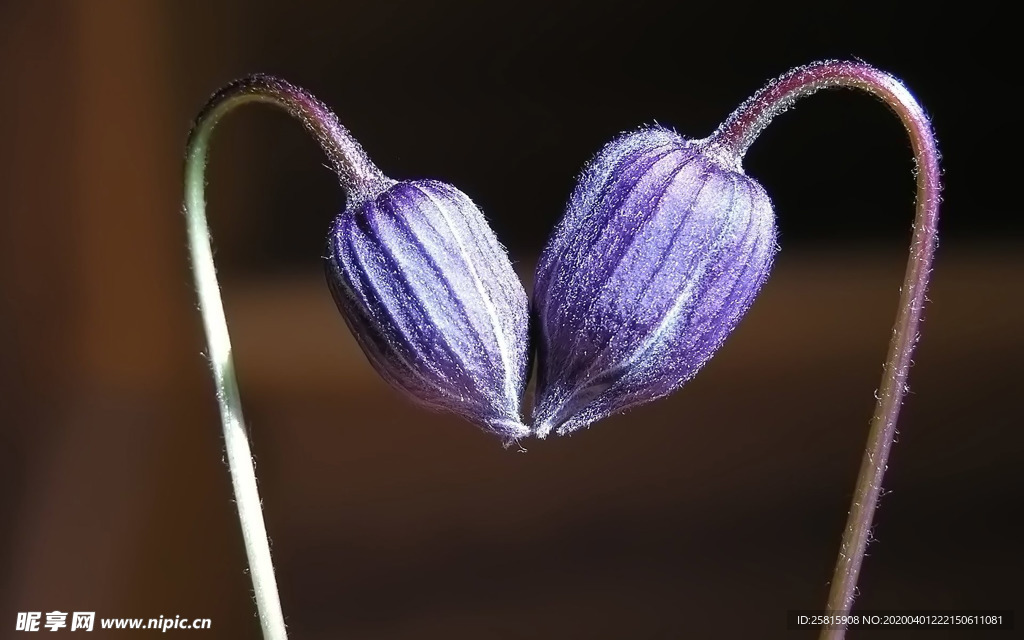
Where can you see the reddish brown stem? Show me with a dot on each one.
(729, 143)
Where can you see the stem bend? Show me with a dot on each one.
(360, 178)
(729, 143)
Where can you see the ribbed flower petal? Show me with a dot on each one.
(434, 301)
(660, 253)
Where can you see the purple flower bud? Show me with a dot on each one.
(433, 301)
(661, 251)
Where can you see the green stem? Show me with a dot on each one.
(359, 177)
(731, 141)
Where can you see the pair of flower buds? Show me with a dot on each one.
(664, 244)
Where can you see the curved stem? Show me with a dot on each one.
(730, 142)
(360, 178)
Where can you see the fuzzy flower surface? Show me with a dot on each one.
(661, 251)
(433, 301)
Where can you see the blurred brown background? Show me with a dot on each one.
(708, 514)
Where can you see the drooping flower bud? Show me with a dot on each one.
(662, 249)
(433, 300)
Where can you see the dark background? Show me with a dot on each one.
(707, 514)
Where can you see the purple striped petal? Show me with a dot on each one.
(433, 301)
(660, 253)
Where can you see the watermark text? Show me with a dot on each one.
(30, 621)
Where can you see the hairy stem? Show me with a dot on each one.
(730, 142)
(359, 177)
